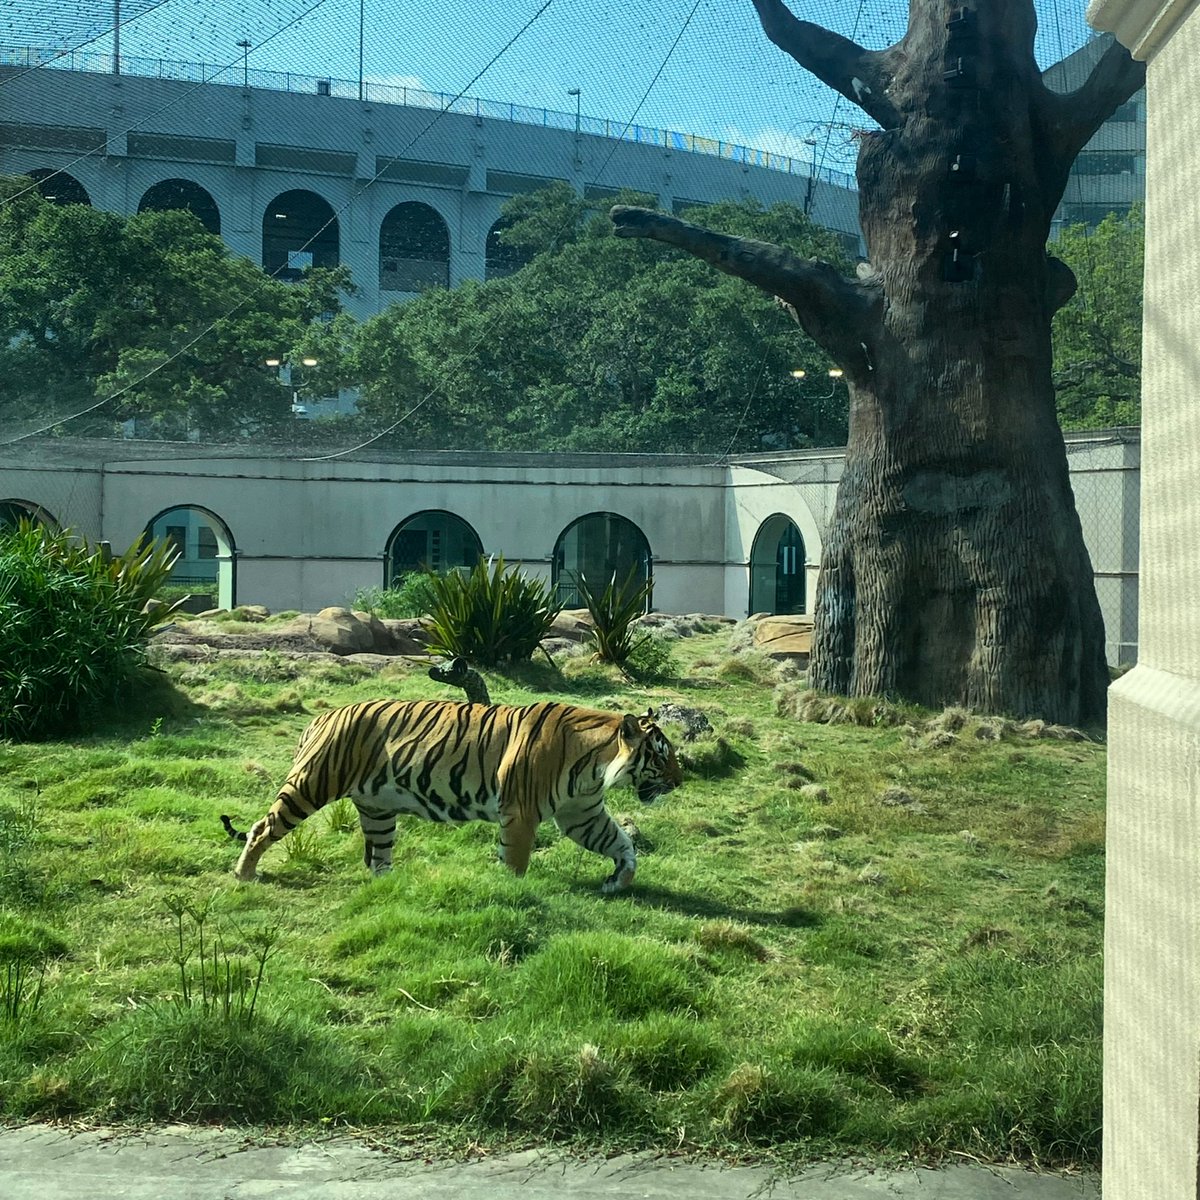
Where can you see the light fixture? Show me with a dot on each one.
(309, 362)
(274, 362)
(799, 374)
(836, 372)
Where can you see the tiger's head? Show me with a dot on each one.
(650, 764)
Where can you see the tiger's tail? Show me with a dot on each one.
(229, 829)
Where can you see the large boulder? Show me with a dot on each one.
(784, 638)
(338, 630)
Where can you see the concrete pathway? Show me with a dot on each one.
(39, 1162)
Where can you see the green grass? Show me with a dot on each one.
(903, 958)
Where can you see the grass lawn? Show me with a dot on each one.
(906, 962)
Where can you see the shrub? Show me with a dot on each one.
(613, 612)
(410, 596)
(489, 615)
(74, 623)
(652, 660)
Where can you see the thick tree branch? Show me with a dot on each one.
(1071, 120)
(838, 313)
(862, 76)
(1061, 283)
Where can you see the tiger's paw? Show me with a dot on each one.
(618, 881)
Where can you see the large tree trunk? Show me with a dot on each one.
(954, 570)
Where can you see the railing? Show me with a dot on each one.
(377, 93)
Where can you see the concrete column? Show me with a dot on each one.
(1152, 930)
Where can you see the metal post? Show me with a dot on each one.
(576, 93)
(244, 46)
(361, 6)
(116, 37)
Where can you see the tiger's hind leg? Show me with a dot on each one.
(593, 829)
(379, 836)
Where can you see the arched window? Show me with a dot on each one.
(499, 259)
(13, 510)
(433, 540)
(598, 547)
(171, 194)
(777, 571)
(59, 188)
(208, 558)
(300, 230)
(414, 249)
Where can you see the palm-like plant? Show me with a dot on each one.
(489, 615)
(614, 611)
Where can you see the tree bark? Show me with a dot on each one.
(954, 570)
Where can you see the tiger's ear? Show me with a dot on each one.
(631, 729)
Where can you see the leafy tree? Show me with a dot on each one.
(954, 569)
(1098, 335)
(152, 311)
(589, 347)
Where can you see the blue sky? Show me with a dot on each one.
(722, 80)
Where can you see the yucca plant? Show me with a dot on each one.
(74, 623)
(614, 611)
(489, 615)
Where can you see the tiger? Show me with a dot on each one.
(451, 761)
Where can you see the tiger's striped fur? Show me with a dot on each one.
(450, 761)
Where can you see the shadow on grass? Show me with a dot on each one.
(692, 905)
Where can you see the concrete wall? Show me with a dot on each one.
(1152, 929)
(309, 534)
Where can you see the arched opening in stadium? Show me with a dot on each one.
(599, 547)
(171, 194)
(207, 565)
(433, 540)
(300, 230)
(59, 188)
(777, 570)
(414, 249)
(13, 511)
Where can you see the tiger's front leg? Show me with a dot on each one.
(593, 829)
(379, 836)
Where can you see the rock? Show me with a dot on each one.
(786, 639)
(574, 624)
(693, 721)
(408, 635)
(213, 612)
(252, 612)
(337, 630)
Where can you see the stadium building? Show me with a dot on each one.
(404, 187)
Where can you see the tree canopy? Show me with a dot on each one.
(150, 310)
(599, 345)
(1098, 335)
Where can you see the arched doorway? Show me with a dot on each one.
(13, 511)
(777, 578)
(208, 558)
(599, 546)
(499, 259)
(59, 188)
(414, 249)
(433, 540)
(299, 231)
(172, 194)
